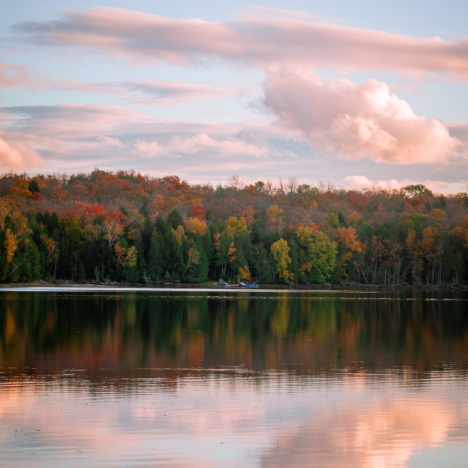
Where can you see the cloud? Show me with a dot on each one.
(81, 137)
(12, 76)
(257, 41)
(63, 133)
(441, 186)
(17, 155)
(72, 138)
(112, 142)
(358, 182)
(232, 146)
(143, 92)
(365, 436)
(153, 92)
(355, 121)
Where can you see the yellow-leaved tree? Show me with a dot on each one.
(197, 226)
(16, 235)
(179, 234)
(243, 274)
(235, 225)
(280, 251)
(193, 257)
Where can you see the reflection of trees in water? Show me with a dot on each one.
(127, 331)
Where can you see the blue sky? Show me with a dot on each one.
(342, 91)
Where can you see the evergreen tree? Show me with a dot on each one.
(31, 269)
(223, 242)
(146, 236)
(174, 219)
(342, 220)
(264, 265)
(197, 270)
(161, 225)
(209, 249)
(141, 262)
(240, 261)
(155, 262)
(65, 262)
(100, 255)
(175, 263)
(34, 186)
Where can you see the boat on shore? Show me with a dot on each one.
(248, 286)
(223, 284)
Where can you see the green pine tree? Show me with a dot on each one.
(174, 219)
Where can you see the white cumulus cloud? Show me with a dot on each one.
(355, 121)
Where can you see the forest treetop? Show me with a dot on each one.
(126, 226)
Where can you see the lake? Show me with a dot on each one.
(198, 378)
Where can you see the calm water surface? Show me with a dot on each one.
(233, 379)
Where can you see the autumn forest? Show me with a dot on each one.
(132, 228)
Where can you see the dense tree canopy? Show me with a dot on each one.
(126, 227)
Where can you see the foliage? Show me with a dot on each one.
(280, 252)
(124, 226)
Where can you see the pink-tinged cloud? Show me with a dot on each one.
(231, 146)
(73, 138)
(255, 41)
(154, 92)
(13, 76)
(381, 434)
(78, 137)
(16, 154)
(143, 92)
(358, 182)
(355, 121)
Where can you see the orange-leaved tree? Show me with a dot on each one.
(461, 230)
(53, 251)
(348, 245)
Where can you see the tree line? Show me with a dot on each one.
(127, 227)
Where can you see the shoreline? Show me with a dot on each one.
(58, 285)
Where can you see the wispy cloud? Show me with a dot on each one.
(74, 136)
(254, 41)
(18, 76)
(152, 92)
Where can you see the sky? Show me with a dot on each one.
(355, 93)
